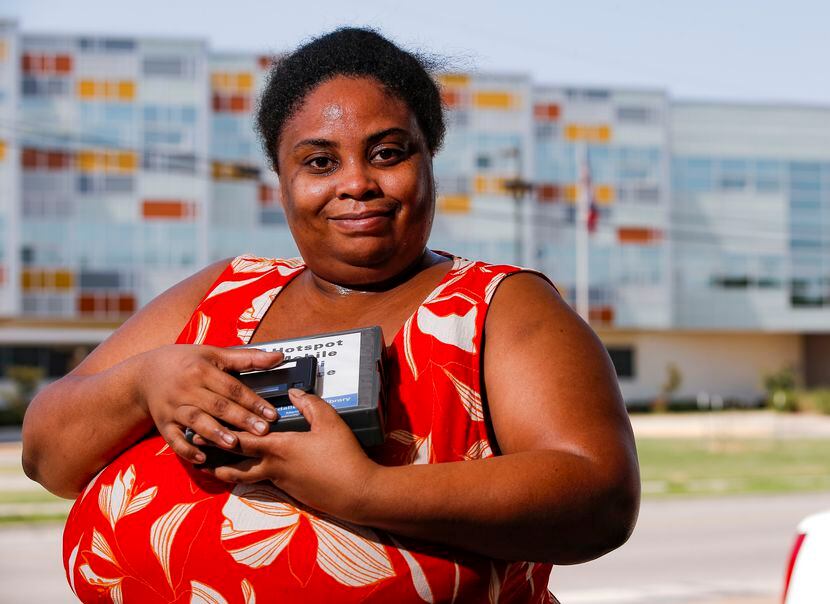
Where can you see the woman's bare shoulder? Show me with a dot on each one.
(548, 375)
(156, 324)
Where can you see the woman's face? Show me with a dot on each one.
(356, 182)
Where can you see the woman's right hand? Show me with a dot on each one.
(188, 386)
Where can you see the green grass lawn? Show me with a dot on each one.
(668, 467)
(721, 466)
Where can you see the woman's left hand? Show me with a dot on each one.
(325, 468)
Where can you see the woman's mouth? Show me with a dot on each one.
(363, 223)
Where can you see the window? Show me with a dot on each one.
(168, 67)
(99, 279)
(637, 115)
(623, 359)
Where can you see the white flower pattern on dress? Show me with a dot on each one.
(349, 554)
(117, 500)
(163, 532)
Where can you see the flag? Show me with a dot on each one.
(593, 215)
(588, 194)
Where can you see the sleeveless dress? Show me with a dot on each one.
(150, 528)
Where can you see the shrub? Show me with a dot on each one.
(816, 400)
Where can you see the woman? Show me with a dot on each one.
(517, 450)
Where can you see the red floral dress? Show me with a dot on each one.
(149, 528)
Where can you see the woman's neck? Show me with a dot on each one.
(332, 289)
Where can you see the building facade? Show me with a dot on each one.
(127, 164)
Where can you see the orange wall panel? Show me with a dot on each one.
(638, 235)
(451, 98)
(63, 64)
(546, 112)
(126, 303)
(548, 192)
(86, 304)
(166, 209)
(601, 314)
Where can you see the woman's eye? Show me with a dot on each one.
(388, 154)
(320, 164)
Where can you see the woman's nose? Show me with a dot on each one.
(357, 181)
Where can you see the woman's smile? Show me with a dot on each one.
(364, 222)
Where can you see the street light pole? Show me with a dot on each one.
(518, 189)
(583, 200)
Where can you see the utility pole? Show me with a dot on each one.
(518, 189)
(583, 201)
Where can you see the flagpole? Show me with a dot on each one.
(583, 200)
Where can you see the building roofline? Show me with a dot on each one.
(137, 37)
(593, 86)
(741, 104)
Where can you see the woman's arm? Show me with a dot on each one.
(566, 488)
(78, 424)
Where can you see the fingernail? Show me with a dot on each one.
(260, 426)
(269, 413)
(199, 457)
(296, 392)
(228, 438)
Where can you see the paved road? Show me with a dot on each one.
(685, 551)
(695, 550)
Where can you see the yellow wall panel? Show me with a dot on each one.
(571, 192)
(218, 80)
(493, 99)
(454, 79)
(603, 133)
(454, 204)
(590, 134)
(604, 194)
(127, 161)
(244, 81)
(86, 89)
(63, 279)
(2, 150)
(480, 184)
(573, 132)
(87, 161)
(490, 185)
(26, 279)
(126, 90)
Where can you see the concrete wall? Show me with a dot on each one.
(727, 364)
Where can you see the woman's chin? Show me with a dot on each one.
(364, 264)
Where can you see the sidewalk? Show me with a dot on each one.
(731, 424)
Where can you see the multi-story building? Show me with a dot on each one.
(129, 163)
(9, 171)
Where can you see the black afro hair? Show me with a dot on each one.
(353, 52)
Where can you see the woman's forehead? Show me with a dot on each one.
(346, 106)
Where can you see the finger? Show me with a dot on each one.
(231, 388)
(314, 409)
(245, 359)
(218, 406)
(175, 438)
(205, 427)
(262, 446)
(246, 472)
